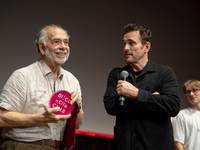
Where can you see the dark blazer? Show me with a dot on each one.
(144, 124)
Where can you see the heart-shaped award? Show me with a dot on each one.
(62, 99)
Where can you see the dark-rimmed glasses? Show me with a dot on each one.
(194, 91)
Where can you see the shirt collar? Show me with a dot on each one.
(150, 67)
(46, 70)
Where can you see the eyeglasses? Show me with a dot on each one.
(56, 42)
(194, 91)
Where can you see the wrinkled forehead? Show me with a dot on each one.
(56, 33)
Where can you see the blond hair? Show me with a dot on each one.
(195, 83)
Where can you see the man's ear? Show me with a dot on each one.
(42, 48)
(147, 46)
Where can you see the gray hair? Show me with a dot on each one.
(42, 36)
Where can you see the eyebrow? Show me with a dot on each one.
(128, 40)
(59, 39)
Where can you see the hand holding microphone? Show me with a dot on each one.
(124, 75)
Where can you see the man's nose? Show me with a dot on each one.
(126, 47)
(191, 93)
(62, 46)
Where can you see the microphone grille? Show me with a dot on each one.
(124, 74)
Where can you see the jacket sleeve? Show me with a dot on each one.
(111, 98)
(168, 100)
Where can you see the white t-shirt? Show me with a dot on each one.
(186, 127)
(28, 91)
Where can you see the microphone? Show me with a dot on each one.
(124, 75)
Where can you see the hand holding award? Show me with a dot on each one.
(62, 99)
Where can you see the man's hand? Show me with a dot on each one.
(75, 98)
(50, 117)
(127, 89)
(156, 93)
(15, 119)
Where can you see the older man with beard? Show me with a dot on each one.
(24, 102)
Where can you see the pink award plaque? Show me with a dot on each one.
(62, 99)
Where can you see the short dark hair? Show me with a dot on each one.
(145, 32)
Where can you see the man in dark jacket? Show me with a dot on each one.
(150, 96)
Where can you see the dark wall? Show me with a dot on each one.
(95, 28)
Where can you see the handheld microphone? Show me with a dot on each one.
(124, 75)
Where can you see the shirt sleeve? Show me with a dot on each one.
(80, 94)
(179, 129)
(13, 94)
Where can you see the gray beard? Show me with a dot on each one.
(57, 60)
